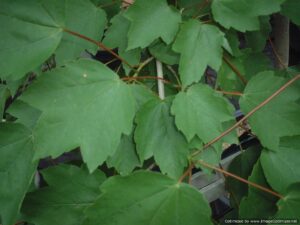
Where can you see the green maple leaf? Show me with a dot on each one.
(289, 206)
(14, 85)
(201, 111)
(148, 198)
(200, 45)
(290, 8)
(256, 40)
(228, 80)
(84, 18)
(31, 38)
(84, 105)
(151, 20)
(280, 115)
(242, 166)
(142, 95)
(233, 41)
(125, 158)
(4, 94)
(16, 169)
(258, 204)
(25, 114)
(288, 157)
(243, 15)
(164, 53)
(116, 37)
(156, 134)
(35, 35)
(111, 7)
(71, 190)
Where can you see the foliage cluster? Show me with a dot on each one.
(53, 100)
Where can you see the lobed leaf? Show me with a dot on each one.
(28, 29)
(199, 45)
(71, 190)
(4, 94)
(289, 206)
(229, 80)
(16, 169)
(116, 37)
(83, 105)
(164, 53)
(243, 15)
(151, 20)
(25, 114)
(288, 157)
(242, 166)
(280, 117)
(258, 204)
(156, 134)
(256, 40)
(125, 158)
(201, 111)
(84, 18)
(33, 30)
(148, 198)
(290, 8)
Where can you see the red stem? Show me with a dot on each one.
(186, 173)
(99, 44)
(240, 179)
(146, 77)
(235, 70)
(281, 89)
(230, 93)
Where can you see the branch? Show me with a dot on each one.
(240, 179)
(186, 173)
(201, 7)
(230, 93)
(142, 65)
(126, 3)
(235, 70)
(279, 60)
(195, 5)
(226, 173)
(175, 75)
(99, 44)
(146, 77)
(249, 114)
